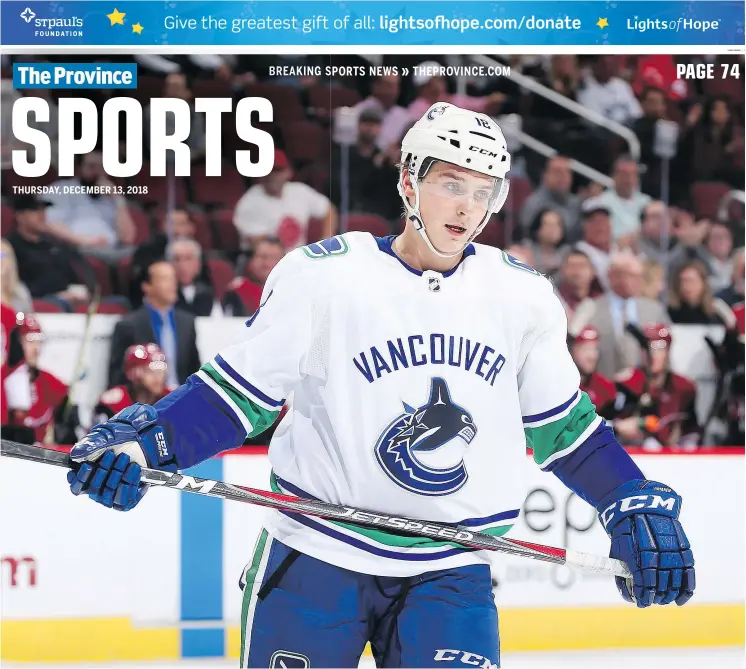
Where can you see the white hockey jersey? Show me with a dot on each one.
(414, 394)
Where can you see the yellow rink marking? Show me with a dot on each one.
(116, 639)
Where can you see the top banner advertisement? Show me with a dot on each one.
(719, 23)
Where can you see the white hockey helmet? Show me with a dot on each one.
(453, 135)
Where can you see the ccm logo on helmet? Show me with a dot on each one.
(484, 152)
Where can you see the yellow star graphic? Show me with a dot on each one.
(116, 17)
(137, 28)
(602, 23)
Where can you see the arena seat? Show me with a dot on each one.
(302, 141)
(7, 221)
(224, 233)
(221, 274)
(706, 196)
(371, 223)
(47, 307)
(284, 99)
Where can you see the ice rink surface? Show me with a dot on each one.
(678, 658)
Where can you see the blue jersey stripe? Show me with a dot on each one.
(551, 412)
(219, 360)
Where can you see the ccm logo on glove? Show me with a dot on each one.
(637, 502)
(160, 441)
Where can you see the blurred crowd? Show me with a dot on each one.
(658, 243)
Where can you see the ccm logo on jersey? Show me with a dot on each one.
(484, 152)
(637, 503)
(472, 659)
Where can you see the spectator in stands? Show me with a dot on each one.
(370, 175)
(621, 306)
(655, 222)
(432, 88)
(278, 207)
(146, 375)
(653, 280)
(176, 225)
(719, 247)
(195, 296)
(245, 293)
(48, 393)
(607, 94)
(157, 321)
(624, 199)
(653, 101)
(14, 292)
(714, 146)
(690, 236)
(577, 281)
(563, 77)
(734, 293)
(99, 224)
(597, 243)
(691, 299)
(175, 86)
(658, 71)
(46, 266)
(384, 95)
(600, 390)
(547, 241)
(554, 193)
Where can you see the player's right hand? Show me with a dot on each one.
(112, 454)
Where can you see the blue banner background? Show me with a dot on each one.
(99, 28)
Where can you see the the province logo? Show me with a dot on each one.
(70, 26)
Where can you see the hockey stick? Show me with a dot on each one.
(397, 524)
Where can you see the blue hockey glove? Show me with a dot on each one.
(641, 517)
(112, 454)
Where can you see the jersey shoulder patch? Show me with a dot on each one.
(327, 248)
(512, 261)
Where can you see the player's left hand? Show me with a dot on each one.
(641, 517)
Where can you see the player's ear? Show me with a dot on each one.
(406, 183)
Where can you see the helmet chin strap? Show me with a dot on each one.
(416, 218)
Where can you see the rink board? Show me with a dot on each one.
(64, 334)
(164, 577)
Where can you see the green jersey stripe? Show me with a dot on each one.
(259, 417)
(552, 439)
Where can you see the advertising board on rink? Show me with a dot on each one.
(165, 575)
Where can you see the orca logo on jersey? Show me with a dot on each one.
(422, 449)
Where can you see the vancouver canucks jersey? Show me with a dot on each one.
(413, 393)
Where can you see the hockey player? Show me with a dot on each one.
(421, 366)
(653, 390)
(600, 390)
(145, 368)
(48, 393)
